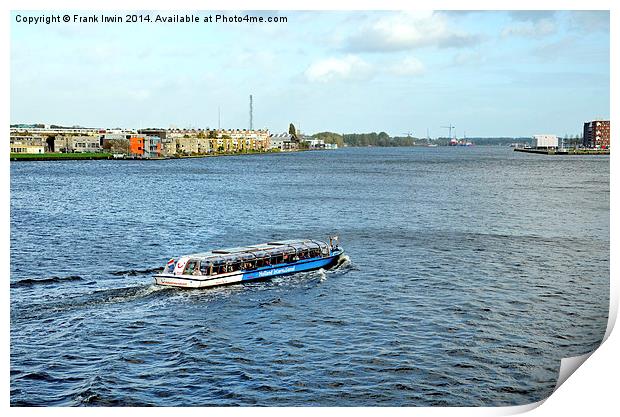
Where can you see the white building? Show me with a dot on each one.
(280, 141)
(545, 141)
(314, 143)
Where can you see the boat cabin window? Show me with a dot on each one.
(260, 258)
(190, 267)
(205, 267)
(289, 254)
(315, 250)
(218, 267)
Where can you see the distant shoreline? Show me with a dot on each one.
(565, 152)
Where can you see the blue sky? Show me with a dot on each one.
(488, 73)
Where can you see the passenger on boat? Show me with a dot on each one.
(190, 267)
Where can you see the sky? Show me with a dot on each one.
(488, 73)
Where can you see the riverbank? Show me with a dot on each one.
(59, 156)
(564, 152)
(105, 156)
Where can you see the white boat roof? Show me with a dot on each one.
(224, 253)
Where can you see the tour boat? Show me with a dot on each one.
(228, 266)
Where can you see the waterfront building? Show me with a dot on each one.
(85, 144)
(203, 145)
(71, 143)
(150, 142)
(241, 139)
(160, 133)
(169, 147)
(52, 131)
(282, 141)
(596, 134)
(136, 146)
(27, 144)
(152, 147)
(313, 143)
(116, 136)
(142, 146)
(167, 142)
(545, 141)
(186, 145)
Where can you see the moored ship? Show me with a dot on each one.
(228, 266)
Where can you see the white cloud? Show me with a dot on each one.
(408, 67)
(408, 30)
(329, 69)
(589, 20)
(531, 29)
(531, 15)
(467, 58)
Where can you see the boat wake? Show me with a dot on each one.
(343, 262)
(91, 299)
(121, 295)
(343, 266)
(29, 282)
(134, 272)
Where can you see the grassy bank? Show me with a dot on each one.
(58, 156)
(82, 156)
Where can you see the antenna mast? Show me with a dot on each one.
(251, 115)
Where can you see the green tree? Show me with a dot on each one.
(117, 145)
(330, 137)
(292, 130)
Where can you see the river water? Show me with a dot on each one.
(471, 272)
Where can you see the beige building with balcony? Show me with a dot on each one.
(199, 141)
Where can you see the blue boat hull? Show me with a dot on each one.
(190, 281)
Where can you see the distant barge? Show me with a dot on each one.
(228, 266)
(564, 151)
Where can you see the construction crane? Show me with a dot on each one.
(449, 130)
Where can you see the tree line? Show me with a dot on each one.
(364, 139)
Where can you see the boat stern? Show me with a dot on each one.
(172, 281)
